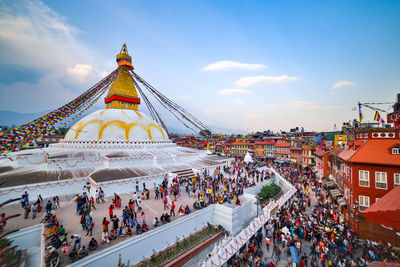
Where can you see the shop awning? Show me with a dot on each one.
(329, 184)
(281, 161)
(341, 202)
(335, 192)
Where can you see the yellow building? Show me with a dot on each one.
(340, 139)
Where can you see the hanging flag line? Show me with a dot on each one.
(378, 117)
(150, 107)
(35, 130)
(186, 115)
(169, 109)
(171, 105)
(374, 108)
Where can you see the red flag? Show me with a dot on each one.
(396, 123)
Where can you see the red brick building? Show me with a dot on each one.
(371, 168)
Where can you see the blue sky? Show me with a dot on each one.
(249, 65)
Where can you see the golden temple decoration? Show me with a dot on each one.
(122, 93)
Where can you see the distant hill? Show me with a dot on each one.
(10, 118)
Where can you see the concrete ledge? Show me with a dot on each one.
(194, 251)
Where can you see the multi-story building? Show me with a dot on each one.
(240, 148)
(264, 149)
(307, 155)
(296, 155)
(336, 166)
(270, 150)
(321, 163)
(340, 140)
(259, 149)
(371, 168)
(282, 150)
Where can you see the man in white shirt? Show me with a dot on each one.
(78, 240)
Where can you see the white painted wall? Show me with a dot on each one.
(140, 247)
(29, 238)
(46, 189)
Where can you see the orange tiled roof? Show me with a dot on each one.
(335, 150)
(241, 144)
(319, 153)
(387, 210)
(347, 154)
(377, 151)
(283, 144)
(264, 143)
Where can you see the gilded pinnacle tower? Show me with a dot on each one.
(122, 93)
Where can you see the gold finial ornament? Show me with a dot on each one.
(122, 93)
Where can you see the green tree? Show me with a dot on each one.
(269, 191)
(205, 133)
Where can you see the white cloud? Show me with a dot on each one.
(250, 81)
(342, 84)
(80, 71)
(305, 105)
(233, 91)
(239, 101)
(231, 65)
(34, 37)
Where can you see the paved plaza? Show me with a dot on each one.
(68, 217)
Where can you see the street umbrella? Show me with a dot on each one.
(285, 230)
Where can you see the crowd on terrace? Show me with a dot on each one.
(311, 221)
(312, 218)
(226, 184)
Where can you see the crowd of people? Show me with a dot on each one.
(311, 218)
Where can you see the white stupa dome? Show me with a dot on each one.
(248, 158)
(117, 124)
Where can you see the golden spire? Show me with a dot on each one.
(122, 93)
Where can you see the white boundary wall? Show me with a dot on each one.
(226, 251)
(29, 238)
(136, 249)
(46, 189)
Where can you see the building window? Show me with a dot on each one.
(396, 150)
(396, 179)
(363, 178)
(380, 180)
(364, 202)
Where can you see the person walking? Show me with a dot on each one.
(267, 242)
(34, 209)
(49, 206)
(27, 208)
(111, 211)
(90, 226)
(172, 211)
(165, 201)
